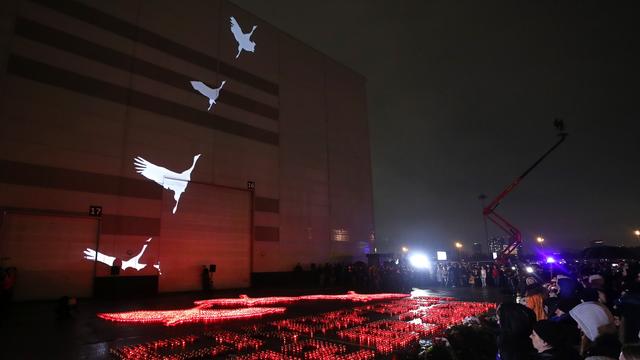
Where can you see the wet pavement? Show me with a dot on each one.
(33, 330)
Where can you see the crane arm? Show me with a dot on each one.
(515, 237)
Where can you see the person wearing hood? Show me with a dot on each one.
(561, 316)
(568, 288)
(594, 320)
(549, 339)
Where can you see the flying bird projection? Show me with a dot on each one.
(244, 40)
(212, 94)
(176, 182)
(134, 262)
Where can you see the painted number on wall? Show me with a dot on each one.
(95, 210)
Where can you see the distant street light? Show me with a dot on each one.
(637, 232)
(405, 249)
(540, 239)
(459, 248)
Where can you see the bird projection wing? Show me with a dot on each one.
(202, 88)
(151, 171)
(235, 29)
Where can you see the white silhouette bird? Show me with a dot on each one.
(244, 40)
(134, 262)
(203, 89)
(177, 182)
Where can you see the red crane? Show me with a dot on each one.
(489, 212)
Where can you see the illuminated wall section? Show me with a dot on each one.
(349, 176)
(303, 173)
(87, 87)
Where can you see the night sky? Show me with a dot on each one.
(462, 97)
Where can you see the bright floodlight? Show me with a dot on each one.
(550, 260)
(441, 255)
(529, 269)
(419, 261)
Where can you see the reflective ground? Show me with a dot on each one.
(33, 330)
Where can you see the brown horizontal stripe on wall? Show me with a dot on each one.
(266, 233)
(267, 204)
(41, 33)
(19, 173)
(129, 225)
(130, 31)
(37, 71)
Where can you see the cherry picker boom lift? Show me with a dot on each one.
(489, 212)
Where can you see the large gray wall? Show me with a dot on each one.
(88, 86)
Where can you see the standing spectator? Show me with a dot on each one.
(548, 339)
(567, 288)
(562, 317)
(597, 282)
(515, 323)
(593, 319)
(439, 277)
(445, 275)
(205, 279)
(628, 307)
(606, 346)
(495, 274)
(483, 276)
(452, 276)
(535, 299)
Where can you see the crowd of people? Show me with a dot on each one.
(589, 310)
(566, 310)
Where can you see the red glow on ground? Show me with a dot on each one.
(196, 314)
(245, 301)
(248, 308)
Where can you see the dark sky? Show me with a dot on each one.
(462, 96)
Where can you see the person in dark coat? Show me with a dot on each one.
(205, 279)
(549, 339)
(562, 317)
(515, 323)
(628, 305)
(568, 288)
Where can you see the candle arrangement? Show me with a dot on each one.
(310, 325)
(150, 349)
(238, 341)
(348, 334)
(385, 336)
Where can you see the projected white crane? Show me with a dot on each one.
(211, 93)
(176, 182)
(134, 262)
(244, 40)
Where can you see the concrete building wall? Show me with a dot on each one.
(89, 86)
